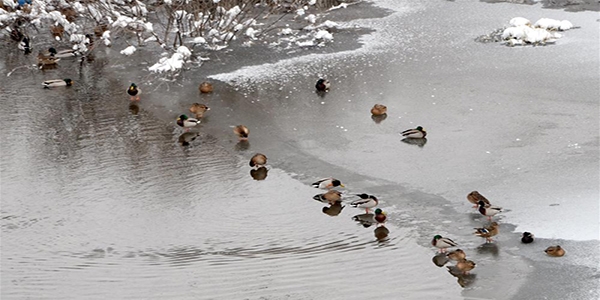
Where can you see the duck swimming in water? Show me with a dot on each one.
(199, 110)
(57, 83)
(186, 122)
(258, 160)
(379, 110)
(242, 132)
(134, 92)
(322, 85)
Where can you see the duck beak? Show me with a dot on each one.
(208, 108)
(342, 185)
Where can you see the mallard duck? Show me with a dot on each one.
(199, 110)
(258, 160)
(365, 201)
(24, 45)
(322, 85)
(474, 197)
(259, 174)
(333, 209)
(186, 122)
(62, 53)
(456, 255)
(47, 60)
(205, 88)
(379, 110)
(331, 196)
(241, 131)
(417, 133)
(527, 238)
(464, 266)
(57, 82)
(380, 216)
(487, 232)
(442, 243)
(135, 93)
(555, 251)
(488, 211)
(327, 183)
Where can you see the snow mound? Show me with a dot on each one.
(128, 51)
(542, 32)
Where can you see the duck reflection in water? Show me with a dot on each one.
(259, 173)
(381, 233)
(464, 278)
(418, 142)
(378, 119)
(440, 259)
(134, 108)
(366, 220)
(242, 145)
(186, 138)
(334, 209)
(488, 248)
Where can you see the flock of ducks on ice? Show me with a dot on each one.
(336, 198)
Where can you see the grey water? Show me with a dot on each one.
(101, 200)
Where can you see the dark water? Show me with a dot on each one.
(100, 200)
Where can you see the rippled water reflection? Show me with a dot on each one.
(102, 198)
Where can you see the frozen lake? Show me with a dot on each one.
(100, 200)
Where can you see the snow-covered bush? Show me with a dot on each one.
(169, 24)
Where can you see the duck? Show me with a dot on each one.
(327, 183)
(258, 160)
(417, 133)
(442, 243)
(47, 60)
(135, 93)
(488, 211)
(379, 110)
(456, 255)
(527, 238)
(365, 201)
(380, 216)
(465, 266)
(322, 85)
(241, 131)
(24, 45)
(205, 88)
(62, 53)
(330, 196)
(487, 232)
(57, 82)
(186, 122)
(474, 197)
(555, 251)
(199, 110)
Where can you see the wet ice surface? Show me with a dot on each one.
(99, 202)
